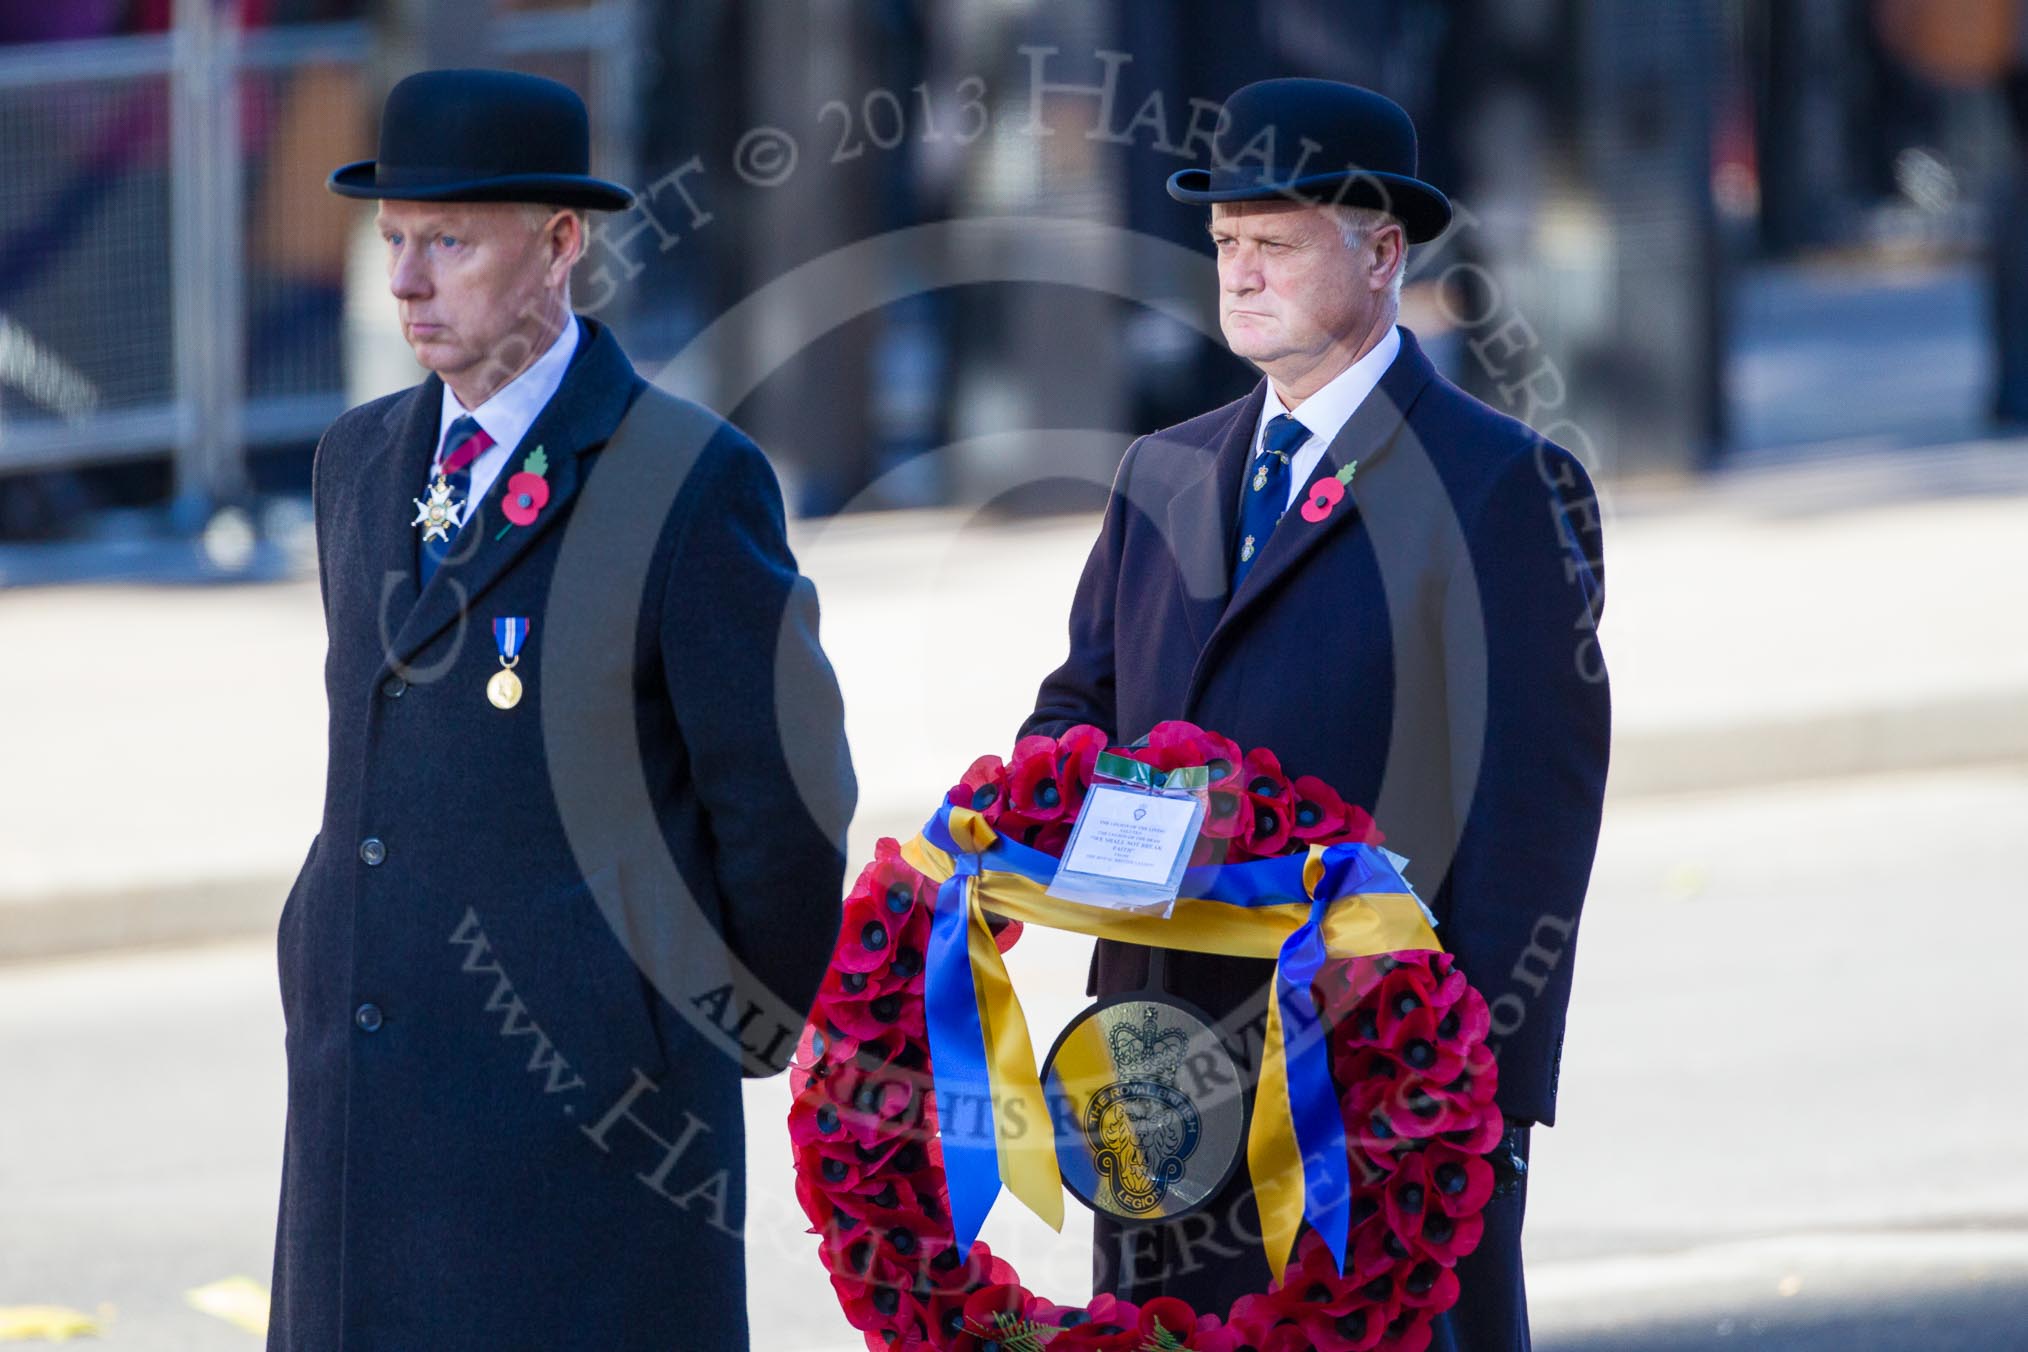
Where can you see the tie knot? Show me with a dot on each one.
(1284, 434)
(465, 442)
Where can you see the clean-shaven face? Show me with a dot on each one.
(1289, 288)
(474, 282)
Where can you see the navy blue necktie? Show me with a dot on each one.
(465, 442)
(1267, 491)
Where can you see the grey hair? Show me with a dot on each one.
(539, 212)
(1357, 224)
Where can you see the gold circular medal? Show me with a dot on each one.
(504, 689)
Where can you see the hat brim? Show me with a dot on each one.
(1422, 210)
(570, 190)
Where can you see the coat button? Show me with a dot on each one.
(394, 687)
(367, 1016)
(371, 850)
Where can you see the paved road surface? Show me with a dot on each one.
(1791, 1117)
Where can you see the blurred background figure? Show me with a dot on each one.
(1709, 215)
(1982, 45)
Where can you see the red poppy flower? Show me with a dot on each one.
(833, 1045)
(1367, 1080)
(813, 1117)
(838, 1170)
(983, 789)
(1409, 1197)
(1077, 753)
(866, 940)
(1409, 1330)
(1051, 838)
(856, 1259)
(805, 1065)
(1040, 1310)
(1363, 976)
(1476, 1082)
(1314, 1306)
(1226, 818)
(1035, 789)
(1316, 811)
(1479, 1134)
(1168, 1314)
(1450, 984)
(1175, 744)
(992, 1314)
(1359, 827)
(1404, 992)
(888, 1309)
(890, 906)
(1464, 1182)
(1324, 495)
(527, 494)
(842, 987)
(873, 1108)
(1182, 1327)
(886, 1013)
(1269, 805)
(1414, 1041)
(1214, 1335)
(1447, 1238)
(1036, 746)
(1112, 1325)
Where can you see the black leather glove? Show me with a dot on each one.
(1510, 1159)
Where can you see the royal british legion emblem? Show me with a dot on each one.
(1148, 1109)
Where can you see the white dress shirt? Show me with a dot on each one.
(1324, 412)
(509, 414)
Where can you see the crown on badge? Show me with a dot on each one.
(1149, 1052)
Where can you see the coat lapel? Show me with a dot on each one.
(393, 474)
(578, 419)
(1365, 437)
(1201, 517)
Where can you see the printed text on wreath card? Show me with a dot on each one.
(1134, 837)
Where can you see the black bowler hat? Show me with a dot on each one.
(482, 136)
(1317, 140)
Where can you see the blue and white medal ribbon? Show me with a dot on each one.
(509, 632)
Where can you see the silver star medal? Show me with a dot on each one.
(439, 516)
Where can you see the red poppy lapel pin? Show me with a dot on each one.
(527, 492)
(1326, 494)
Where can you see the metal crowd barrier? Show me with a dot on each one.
(172, 272)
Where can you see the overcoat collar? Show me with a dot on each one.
(596, 391)
(1201, 515)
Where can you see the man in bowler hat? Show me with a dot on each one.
(581, 853)
(1424, 640)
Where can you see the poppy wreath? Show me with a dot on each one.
(1407, 1052)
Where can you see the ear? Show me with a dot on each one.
(564, 238)
(1390, 250)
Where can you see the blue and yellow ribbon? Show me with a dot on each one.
(1337, 901)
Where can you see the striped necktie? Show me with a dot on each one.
(465, 442)
(1267, 491)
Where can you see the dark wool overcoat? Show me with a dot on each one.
(532, 950)
(1428, 648)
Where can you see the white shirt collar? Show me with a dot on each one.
(1330, 408)
(513, 408)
